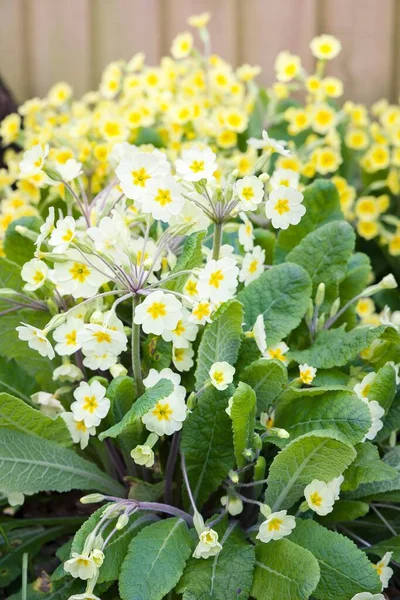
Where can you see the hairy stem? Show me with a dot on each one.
(217, 239)
(169, 471)
(136, 366)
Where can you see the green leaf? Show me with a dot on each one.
(15, 414)
(322, 205)
(10, 275)
(336, 347)
(391, 421)
(155, 561)
(281, 295)
(317, 455)
(18, 248)
(345, 569)
(331, 377)
(340, 411)
(156, 353)
(121, 393)
(149, 135)
(220, 340)
(383, 388)
(162, 389)
(15, 380)
(367, 468)
(284, 570)
(243, 415)
(390, 545)
(345, 510)
(57, 591)
(144, 491)
(324, 254)
(266, 239)
(29, 464)
(227, 575)
(207, 443)
(267, 378)
(356, 280)
(190, 258)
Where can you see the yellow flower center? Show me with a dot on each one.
(202, 311)
(277, 354)
(191, 288)
(248, 193)
(70, 338)
(216, 278)
(306, 376)
(140, 177)
(102, 336)
(316, 499)
(68, 235)
(79, 272)
(112, 129)
(179, 354)
(163, 412)
(253, 266)
(197, 166)
(275, 524)
(38, 277)
(90, 403)
(163, 197)
(80, 425)
(179, 329)
(282, 206)
(218, 377)
(156, 310)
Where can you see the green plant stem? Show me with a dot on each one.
(24, 588)
(136, 366)
(169, 471)
(217, 239)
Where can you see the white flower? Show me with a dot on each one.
(45, 229)
(168, 414)
(320, 497)
(250, 191)
(221, 375)
(137, 171)
(143, 455)
(15, 498)
(383, 570)
(67, 372)
(334, 485)
(36, 339)
(84, 566)
(218, 280)
(111, 236)
(183, 358)
(90, 404)
(325, 46)
(233, 504)
(228, 409)
(388, 282)
(33, 160)
(98, 340)
(284, 207)
(70, 170)
(158, 312)
(34, 272)
(79, 432)
(66, 336)
(80, 277)
(284, 177)
(196, 164)
(269, 144)
(84, 596)
(201, 312)
(245, 233)
(192, 214)
(163, 198)
(307, 373)
(259, 334)
(62, 235)
(100, 361)
(208, 544)
(376, 412)
(253, 265)
(49, 404)
(362, 389)
(277, 353)
(276, 526)
(184, 332)
(368, 596)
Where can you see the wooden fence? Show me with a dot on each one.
(44, 41)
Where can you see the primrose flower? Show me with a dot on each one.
(163, 198)
(276, 526)
(168, 414)
(34, 272)
(208, 544)
(70, 170)
(250, 191)
(143, 455)
(84, 596)
(384, 571)
(67, 372)
(99, 339)
(286, 178)
(79, 432)
(376, 412)
(62, 235)
(33, 160)
(84, 566)
(45, 229)
(221, 375)
(246, 233)
(218, 280)
(136, 172)
(233, 504)
(158, 312)
(320, 497)
(182, 45)
(183, 358)
(258, 332)
(66, 336)
(80, 277)
(362, 389)
(90, 404)
(284, 207)
(49, 404)
(277, 353)
(253, 265)
(268, 144)
(37, 339)
(196, 164)
(307, 373)
(184, 332)
(325, 47)
(199, 21)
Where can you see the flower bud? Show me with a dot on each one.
(97, 317)
(118, 370)
(143, 455)
(388, 282)
(257, 442)
(26, 233)
(264, 177)
(265, 510)
(122, 522)
(259, 468)
(335, 307)
(92, 499)
(320, 295)
(233, 476)
(248, 454)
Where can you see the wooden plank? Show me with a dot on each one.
(124, 27)
(268, 27)
(12, 47)
(223, 25)
(59, 34)
(366, 31)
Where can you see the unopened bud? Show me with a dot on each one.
(118, 370)
(198, 522)
(233, 476)
(321, 322)
(265, 510)
(26, 233)
(235, 173)
(248, 454)
(335, 307)
(264, 177)
(92, 499)
(97, 317)
(259, 468)
(257, 442)
(56, 321)
(52, 173)
(191, 401)
(122, 522)
(388, 282)
(320, 295)
(309, 312)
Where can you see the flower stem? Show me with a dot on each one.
(169, 471)
(136, 366)
(217, 239)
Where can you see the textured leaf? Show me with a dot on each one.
(390, 545)
(340, 411)
(367, 468)
(266, 239)
(322, 206)
(336, 347)
(190, 258)
(345, 570)
(17, 415)
(18, 248)
(281, 295)
(324, 254)
(267, 378)
(155, 561)
(29, 464)
(162, 389)
(383, 388)
(345, 510)
(243, 415)
(207, 443)
(317, 455)
(330, 377)
(284, 570)
(391, 421)
(225, 576)
(15, 380)
(220, 340)
(121, 393)
(355, 281)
